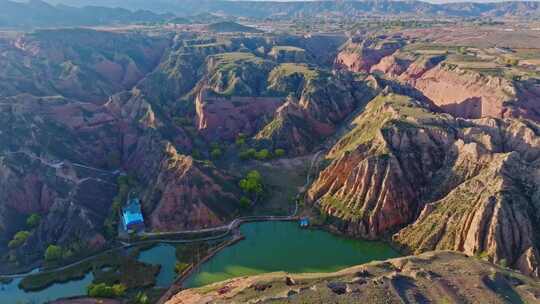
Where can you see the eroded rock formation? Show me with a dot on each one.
(467, 185)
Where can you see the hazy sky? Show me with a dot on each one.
(431, 1)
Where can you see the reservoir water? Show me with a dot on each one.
(268, 247)
(10, 293)
(283, 246)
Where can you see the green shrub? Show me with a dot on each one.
(244, 202)
(141, 298)
(263, 154)
(18, 239)
(279, 152)
(248, 154)
(53, 253)
(33, 220)
(66, 254)
(216, 153)
(240, 139)
(119, 290)
(252, 184)
(179, 267)
(483, 255)
(103, 290)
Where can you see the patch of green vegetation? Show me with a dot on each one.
(238, 74)
(240, 140)
(341, 206)
(141, 298)
(228, 60)
(482, 255)
(180, 267)
(252, 184)
(279, 153)
(245, 202)
(103, 290)
(263, 154)
(288, 69)
(449, 215)
(18, 239)
(111, 268)
(271, 128)
(189, 254)
(391, 110)
(53, 253)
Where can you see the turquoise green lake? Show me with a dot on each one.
(268, 247)
(283, 246)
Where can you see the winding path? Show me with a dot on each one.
(227, 229)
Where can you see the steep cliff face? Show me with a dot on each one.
(66, 62)
(360, 54)
(491, 214)
(181, 193)
(234, 99)
(60, 128)
(238, 74)
(472, 181)
(375, 179)
(290, 129)
(465, 94)
(220, 118)
(391, 66)
(72, 200)
(48, 146)
(462, 92)
(312, 112)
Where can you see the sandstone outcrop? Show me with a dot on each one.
(222, 118)
(315, 110)
(181, 193)
(73, 201)
(460, 183)
(52, 62)
(426, 278)
(462, 92)
(361, 53)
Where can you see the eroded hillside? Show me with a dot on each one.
(89, 117)
(437, 276)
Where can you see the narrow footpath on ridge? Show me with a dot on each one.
(227, 229)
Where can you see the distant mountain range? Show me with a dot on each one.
(37, 13)
(303, 8)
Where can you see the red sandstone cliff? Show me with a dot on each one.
(476, 178)
(223, 118)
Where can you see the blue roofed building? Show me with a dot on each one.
(132, 218)
(304, 222)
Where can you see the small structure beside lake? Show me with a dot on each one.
(304, 222)
(132, 218)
